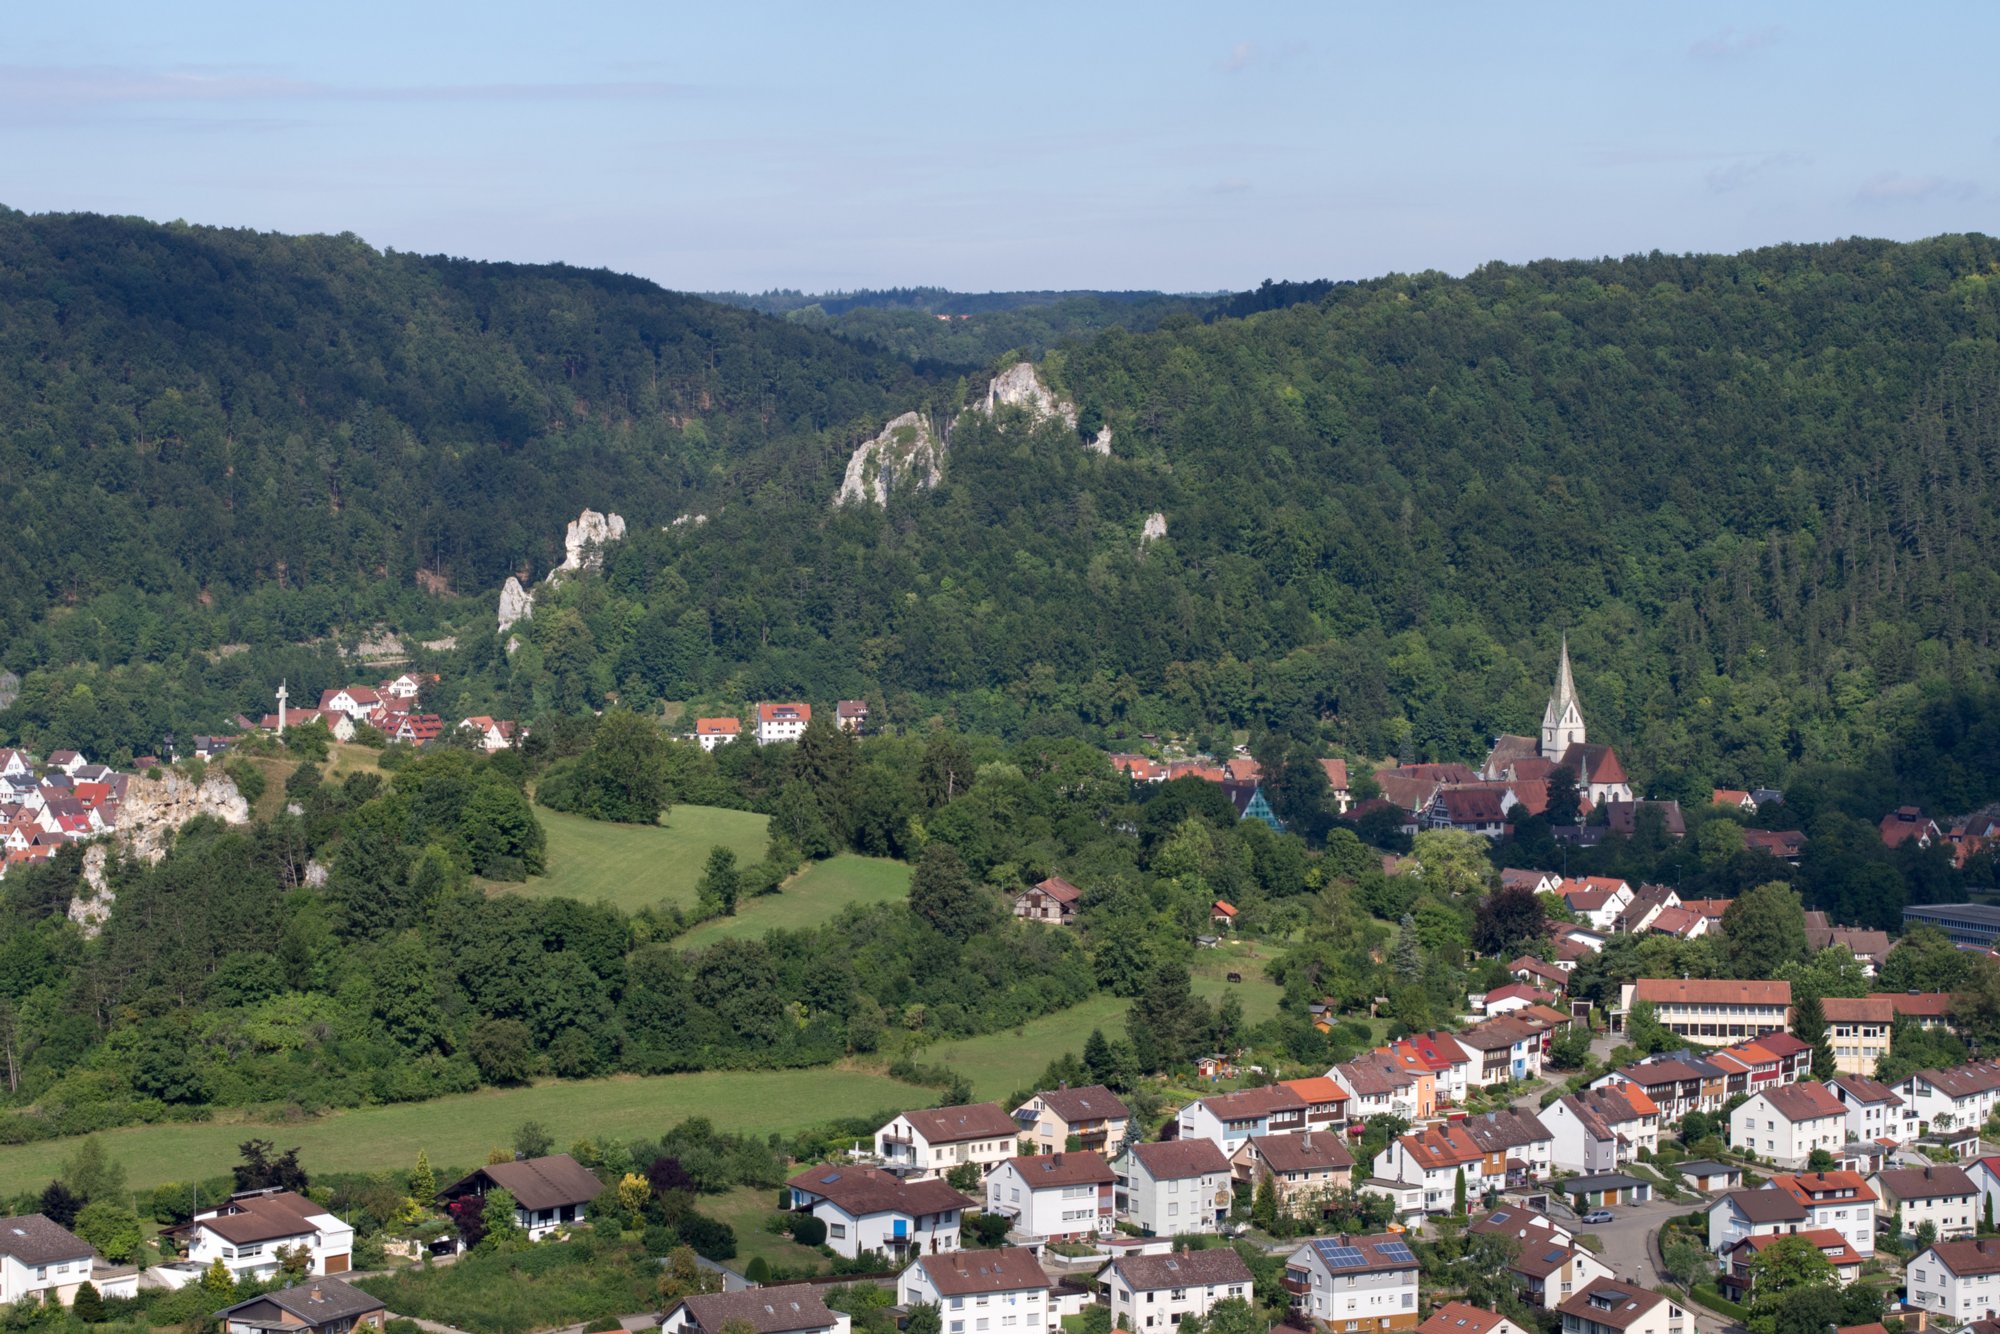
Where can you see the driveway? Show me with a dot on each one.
(1628, 1249)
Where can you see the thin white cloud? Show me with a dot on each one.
(1896, 187)
(1749, 171)
(1241, 57)
(1735, 43)
(1250, 55)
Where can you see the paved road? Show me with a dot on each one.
(1628, 1249)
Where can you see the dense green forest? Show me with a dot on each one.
(1758, 491)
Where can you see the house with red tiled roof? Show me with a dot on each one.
(1336, 779)
(1908, 824)
(495, 734)
(1434, 1159)
(1602, 1129)
(1712, 1011)
(1513, 996)
(1787, 845)
(1738, 1271)
(712, 732)
(1139, 769)
(1736, 797)
(784, 721)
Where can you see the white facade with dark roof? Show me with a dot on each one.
(1156, 1292)
(933, 1141)
(983, 1292)
(41, 1259)
(1174, 1186)
(1355, 1283)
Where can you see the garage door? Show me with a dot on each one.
(336, 1264)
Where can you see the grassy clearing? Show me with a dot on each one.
(817, 896)
(347, 758)
(458, 1131)
(271, 801)
(745, 1210)
(1258, 994)
(638, 866)
(1001, 1063)
(543, 1287)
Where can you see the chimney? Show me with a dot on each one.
(316, 1292)
(1059, 1154)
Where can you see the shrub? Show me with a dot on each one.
(808, 1231)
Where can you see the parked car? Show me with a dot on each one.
(1598, 1216)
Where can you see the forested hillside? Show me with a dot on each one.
(1759, 491)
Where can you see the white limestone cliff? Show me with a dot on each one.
(1020, 386)
(585, 539)
(153, 809)
(905, 454)
(1155, 529)
(516, 603)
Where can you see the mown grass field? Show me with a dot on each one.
(745, 1210)
(637, 866)
(458, 1131)
(1258, 994)
(1001, 1063)
(815, 896)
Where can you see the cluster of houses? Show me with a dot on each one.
(778, 721)
(394, 708)
(1240, 777)
(64, 798)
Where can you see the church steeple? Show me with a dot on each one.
(1562, 721)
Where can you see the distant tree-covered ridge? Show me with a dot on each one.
(1758, 491)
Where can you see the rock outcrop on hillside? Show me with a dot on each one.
(905, 455)
(153, 809)
(516, 603)
(585, 539)
(1020, 386)
(1155, 529)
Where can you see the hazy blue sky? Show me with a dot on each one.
(1084, 144)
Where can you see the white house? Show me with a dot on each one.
(1304, 1168)
(1175, 1186)
(494, 734)
(1549, 1267)
(42, 1259)
(1944, 1196)
(1518, 1147)
(1359, 1282)
(782, 722)
(359, 703)
(1156, 1292)
(790, 1309)
(1095, 1115)
(1961, 1097)
(1601, 1129)
(1504, 1050)
(933, 1141)
(550, 1193)
(1056, 1196)
(1598, 901)
(1465, 1318)
(1609, 1306)
(1438, 1158)
(247, 1231)
(1227, 1119)
(1959, 1279)
(1799, 1202)
(712, 732)
(996, 1291)
(1786, 1123)
(867, 1209)
(1375, 1088)
(1874, 1110)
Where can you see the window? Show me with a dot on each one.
(836, 1230)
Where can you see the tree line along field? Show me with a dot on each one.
(636, 866)
(812, 898)
(459, 1130)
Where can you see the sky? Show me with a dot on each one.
(1092, 144)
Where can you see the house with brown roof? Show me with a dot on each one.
(246, 1232)
(1304, 1168)
(1611, 1306)
(1785, 1123)
(1549, 1267)
(1168, 1187)
(1908, 824)
(1503, 1050)
(1158, 1292)
(1941, 1194)
(1227, 1119)
(1930, 1009)
(1954, 1098)
(1060, 1196)
(963, 1284)
(934, 1140)
(1539, 973)
(1712, 1011)
(1602, 1129)
(1622, 817)
(1472, 810)
(315, 1306)
(1875, 1112)
(44, 1261)
(1738, 1271)
(851, 716)
(868, 1209)
(1375, 1086)
(1959, 1280)
(1787, 845)
(549, 1193)
(1336, 779)
(1858, 1031)
(1438, 1158)
(795, 1308)
(1465, 1318)
(1053, 900)
(1092, 1114)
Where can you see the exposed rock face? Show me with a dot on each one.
(906, 454)
(516, 603)
(1101, 442)
(152, 810)
(1020, 387)
(90, 911)
(1155, 529)
(585, 540)
(689, 520)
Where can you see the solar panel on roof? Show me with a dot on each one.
(1552, 1257)
(1394, 1250)
(1342, 1255)
(1174, 1265)
(829, 1180)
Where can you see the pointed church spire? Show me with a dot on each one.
(1562, 721)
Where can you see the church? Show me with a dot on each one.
(1563, 744)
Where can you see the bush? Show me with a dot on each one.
(808, 1231)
